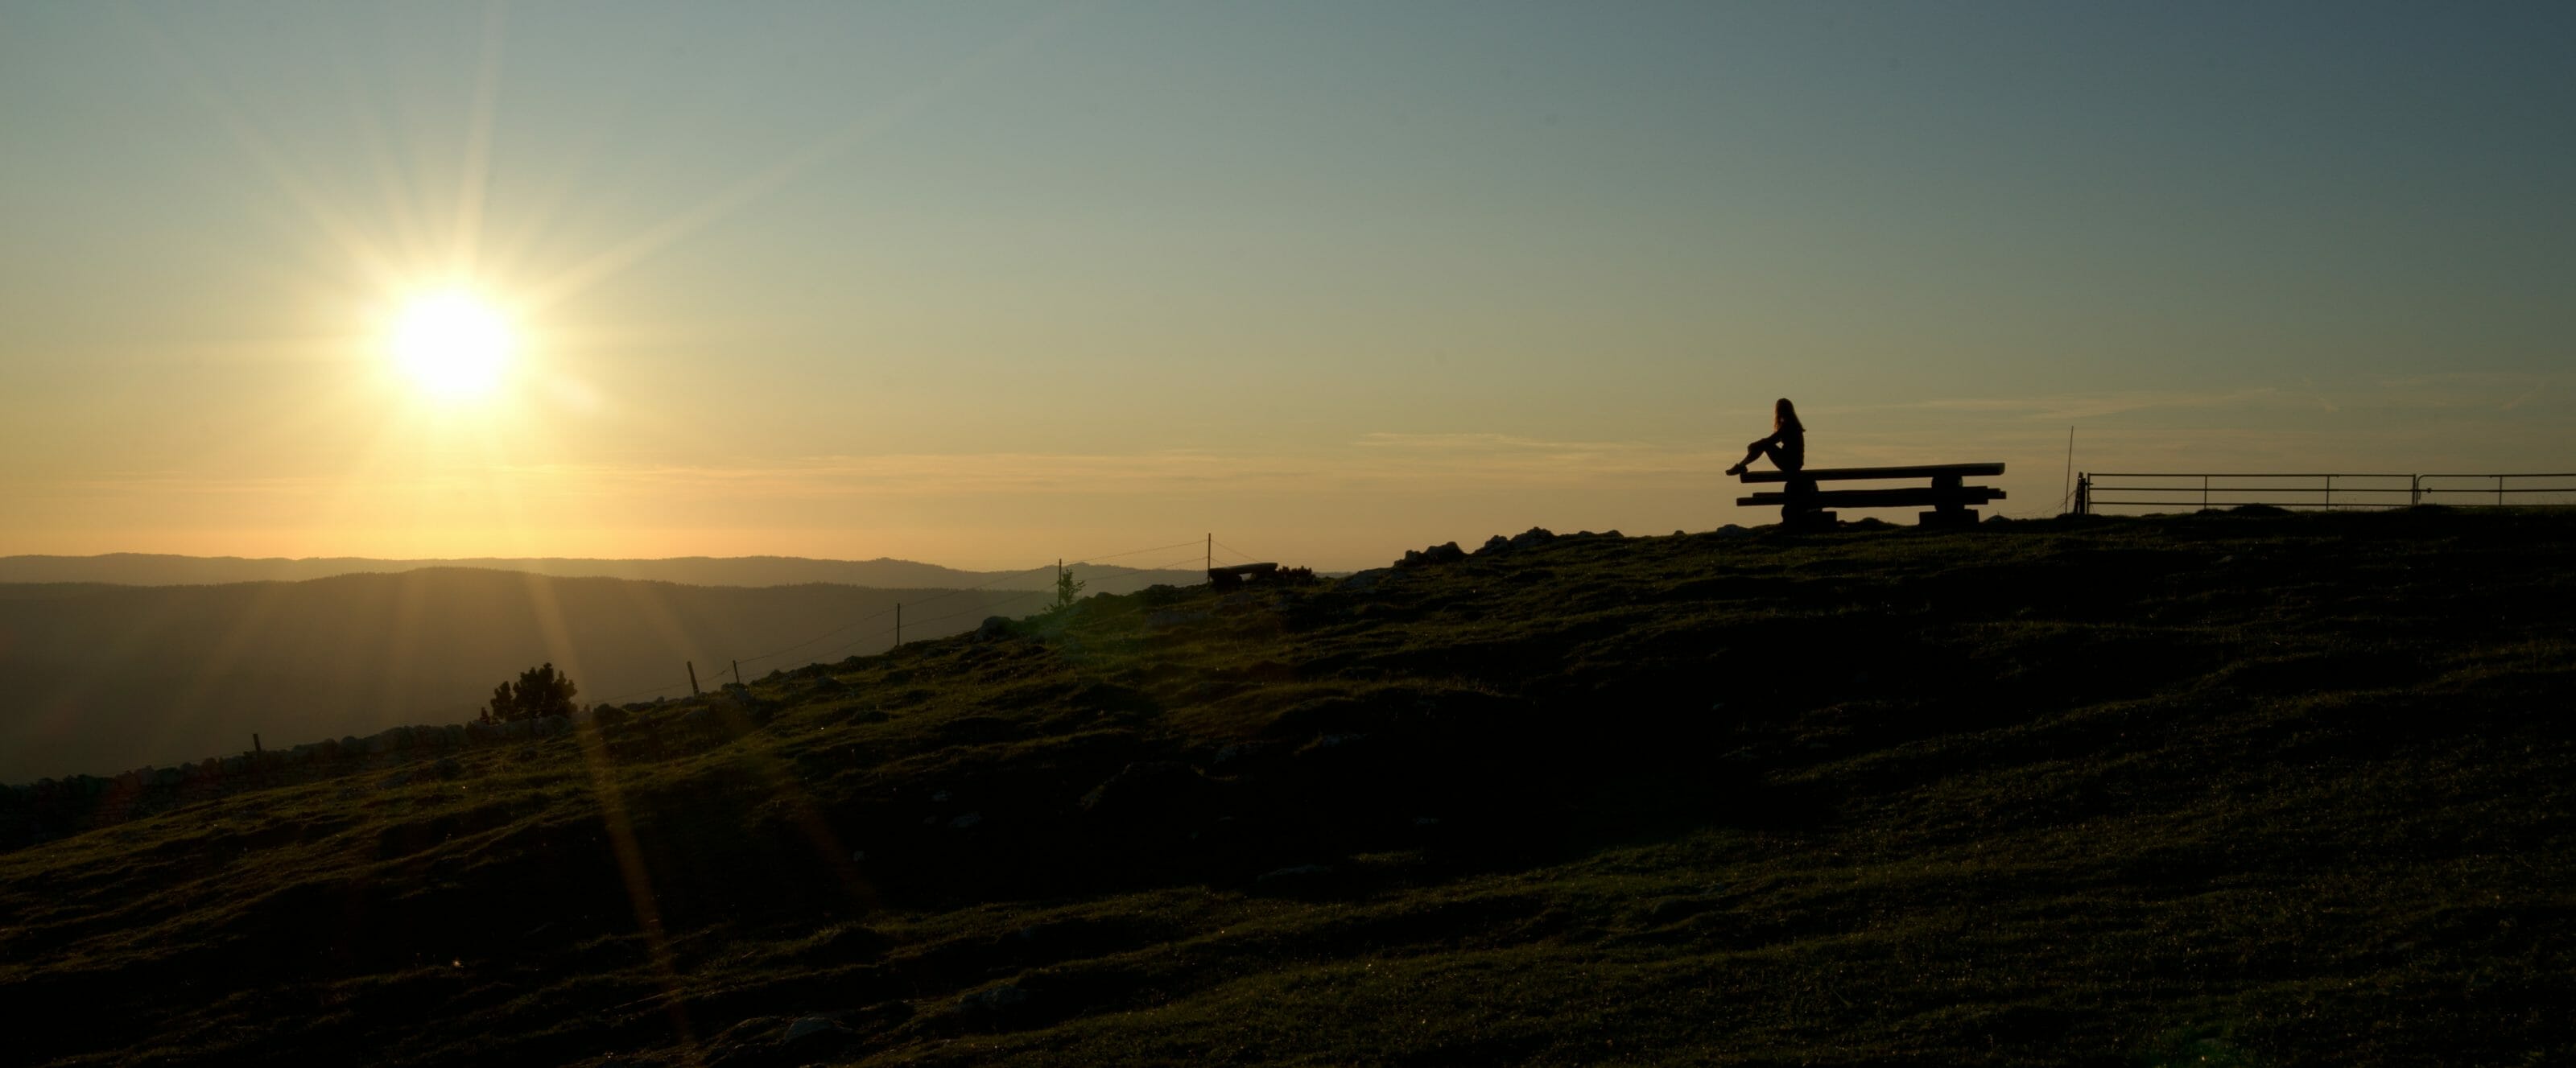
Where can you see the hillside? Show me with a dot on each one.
(2210, 790)
(151, 569)
(105, 678)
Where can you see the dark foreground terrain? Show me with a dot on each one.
(2214, 790)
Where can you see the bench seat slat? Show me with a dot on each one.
(1882, 498)
(1835, 474)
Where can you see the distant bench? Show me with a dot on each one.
(1222, 577)
(1801, 503)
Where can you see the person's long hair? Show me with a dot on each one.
(1784, 416)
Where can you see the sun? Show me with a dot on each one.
(453, 343)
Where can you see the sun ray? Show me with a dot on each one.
(244, 629)
(477, 177)
(400, 659)
(66, 706)
(610, 261)
(646, 601)
(619, 826)
(398, 195)
(340, 231)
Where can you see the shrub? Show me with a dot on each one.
(1067, 590)
(540, 691)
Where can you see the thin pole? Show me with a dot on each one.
(1211, 543)
(693, 677)
(254, 744)
(898, 624)
(2067, 492)
(737, 672)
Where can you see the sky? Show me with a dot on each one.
(991, 284)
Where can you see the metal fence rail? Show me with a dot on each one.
(2210, 489)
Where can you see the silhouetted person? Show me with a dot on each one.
(1787, 445)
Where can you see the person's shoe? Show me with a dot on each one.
(1735, 470)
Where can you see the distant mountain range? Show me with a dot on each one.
(147, 569)
(103, 677)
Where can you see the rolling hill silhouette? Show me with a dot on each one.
(107, 677)
(2277, 790)
(148, 569)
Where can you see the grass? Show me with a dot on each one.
(2208, 790)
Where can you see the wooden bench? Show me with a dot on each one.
(1222, 577)
(1952, 500)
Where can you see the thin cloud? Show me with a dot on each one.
(1484, 441)
(2061, 407)
(2462, 390)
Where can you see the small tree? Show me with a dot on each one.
(1066, 588)
(540, 691)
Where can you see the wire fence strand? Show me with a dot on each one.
(890, 631)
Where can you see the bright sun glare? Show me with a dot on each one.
(452, 343)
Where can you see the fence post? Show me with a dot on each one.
(2499, 491)
(2204, 493)
(693, 676)
(2084, 494)
(2329, 493)
(2414, 490)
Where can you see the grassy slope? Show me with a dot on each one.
(2219, 790)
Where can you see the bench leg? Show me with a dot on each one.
(1800, 510)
